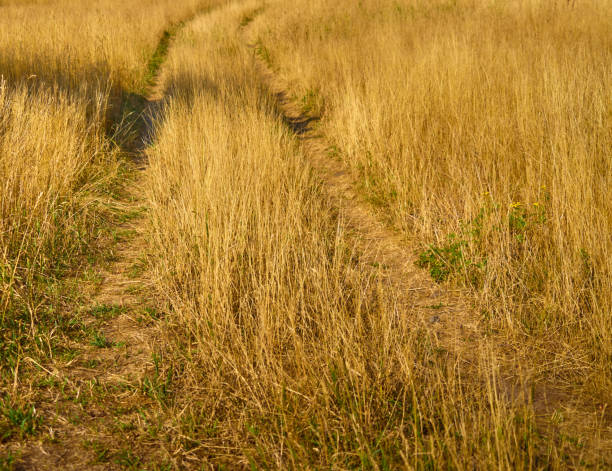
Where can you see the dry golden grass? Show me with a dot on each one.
(75, 42)
(291, 352)
(72, 76)
(282, 346)
(61, 65)
(50, 156)
(483, 130)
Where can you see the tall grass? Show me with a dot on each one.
(483, 131)
(489, 121)
(287, 350)
(72, 42)
(62, 65)
(51, 154)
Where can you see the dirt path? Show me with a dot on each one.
(483, 356)
(424, 301)
(447, 313)
(99, 394)
(102, 403)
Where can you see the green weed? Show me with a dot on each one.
(8, 462)
(249, 17)
(99, 340)
(311, 102)
(127, 459)
(106, 311)
(264, 54)
(442, 260)
(101, 452)
(157, 387)
(22, 420)
(463, 253)
(158, 57)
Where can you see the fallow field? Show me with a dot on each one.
(264, 234)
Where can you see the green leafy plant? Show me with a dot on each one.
(463, 252)
(444, 259)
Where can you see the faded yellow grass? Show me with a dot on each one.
(484, 126)
(292, 353)
(51, 155)
(62, 64)
(283, 347)
(75, 43)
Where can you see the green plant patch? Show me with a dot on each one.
(106, 311)
(8, 462)
(158, 386)
(99, 340)
(464, 253)
(247, 18)
(264, 54)
(18, 420)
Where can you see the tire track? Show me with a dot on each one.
(100, 406)
(480, 355)
(425, 303)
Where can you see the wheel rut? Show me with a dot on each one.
(425, 303)
(102, 407)
(448, 314)
(105, 404)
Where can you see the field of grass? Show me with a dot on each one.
(482, 131)
(265, 333)
(69, 72)
(63, 66)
